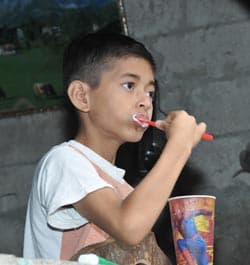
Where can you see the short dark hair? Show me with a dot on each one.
(87, 56)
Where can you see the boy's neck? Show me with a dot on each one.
(106, 151)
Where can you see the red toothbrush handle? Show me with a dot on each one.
(152, 123)
(207, 137)
(149, 122)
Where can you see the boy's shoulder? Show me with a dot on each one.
(69, 152)
(61, 153)
(59, 149)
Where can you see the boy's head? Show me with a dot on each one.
(88, 56)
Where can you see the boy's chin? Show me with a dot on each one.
(135, 138)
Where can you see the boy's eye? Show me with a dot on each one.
(151, 94)
(128, 85)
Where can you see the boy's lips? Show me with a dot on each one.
(138, 118)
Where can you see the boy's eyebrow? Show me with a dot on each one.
(150, 83)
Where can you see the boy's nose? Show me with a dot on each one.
(145, 101)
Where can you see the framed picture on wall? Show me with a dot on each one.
(33, 34)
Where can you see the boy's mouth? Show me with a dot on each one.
(138, 119)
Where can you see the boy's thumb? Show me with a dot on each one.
(162, 125)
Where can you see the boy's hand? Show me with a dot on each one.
(182, 127)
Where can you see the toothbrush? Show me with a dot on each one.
(142, 121)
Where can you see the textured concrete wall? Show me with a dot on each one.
(202, 49)
(24, 139)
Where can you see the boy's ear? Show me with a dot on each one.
(78, 93)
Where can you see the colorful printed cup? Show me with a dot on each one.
(192, 219)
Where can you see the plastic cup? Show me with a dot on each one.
(192, 220)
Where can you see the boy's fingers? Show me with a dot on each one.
(162, 124)
(202, 127)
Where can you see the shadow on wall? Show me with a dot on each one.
(244, 158)
(244, 3)
(231, 239)
(11, 231)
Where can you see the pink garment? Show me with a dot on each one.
(75, 239)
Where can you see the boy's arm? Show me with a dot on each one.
(131, 220)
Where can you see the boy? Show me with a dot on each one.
(78, 196)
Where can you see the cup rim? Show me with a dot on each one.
(191, 196)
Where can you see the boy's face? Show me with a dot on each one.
(125, 89)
